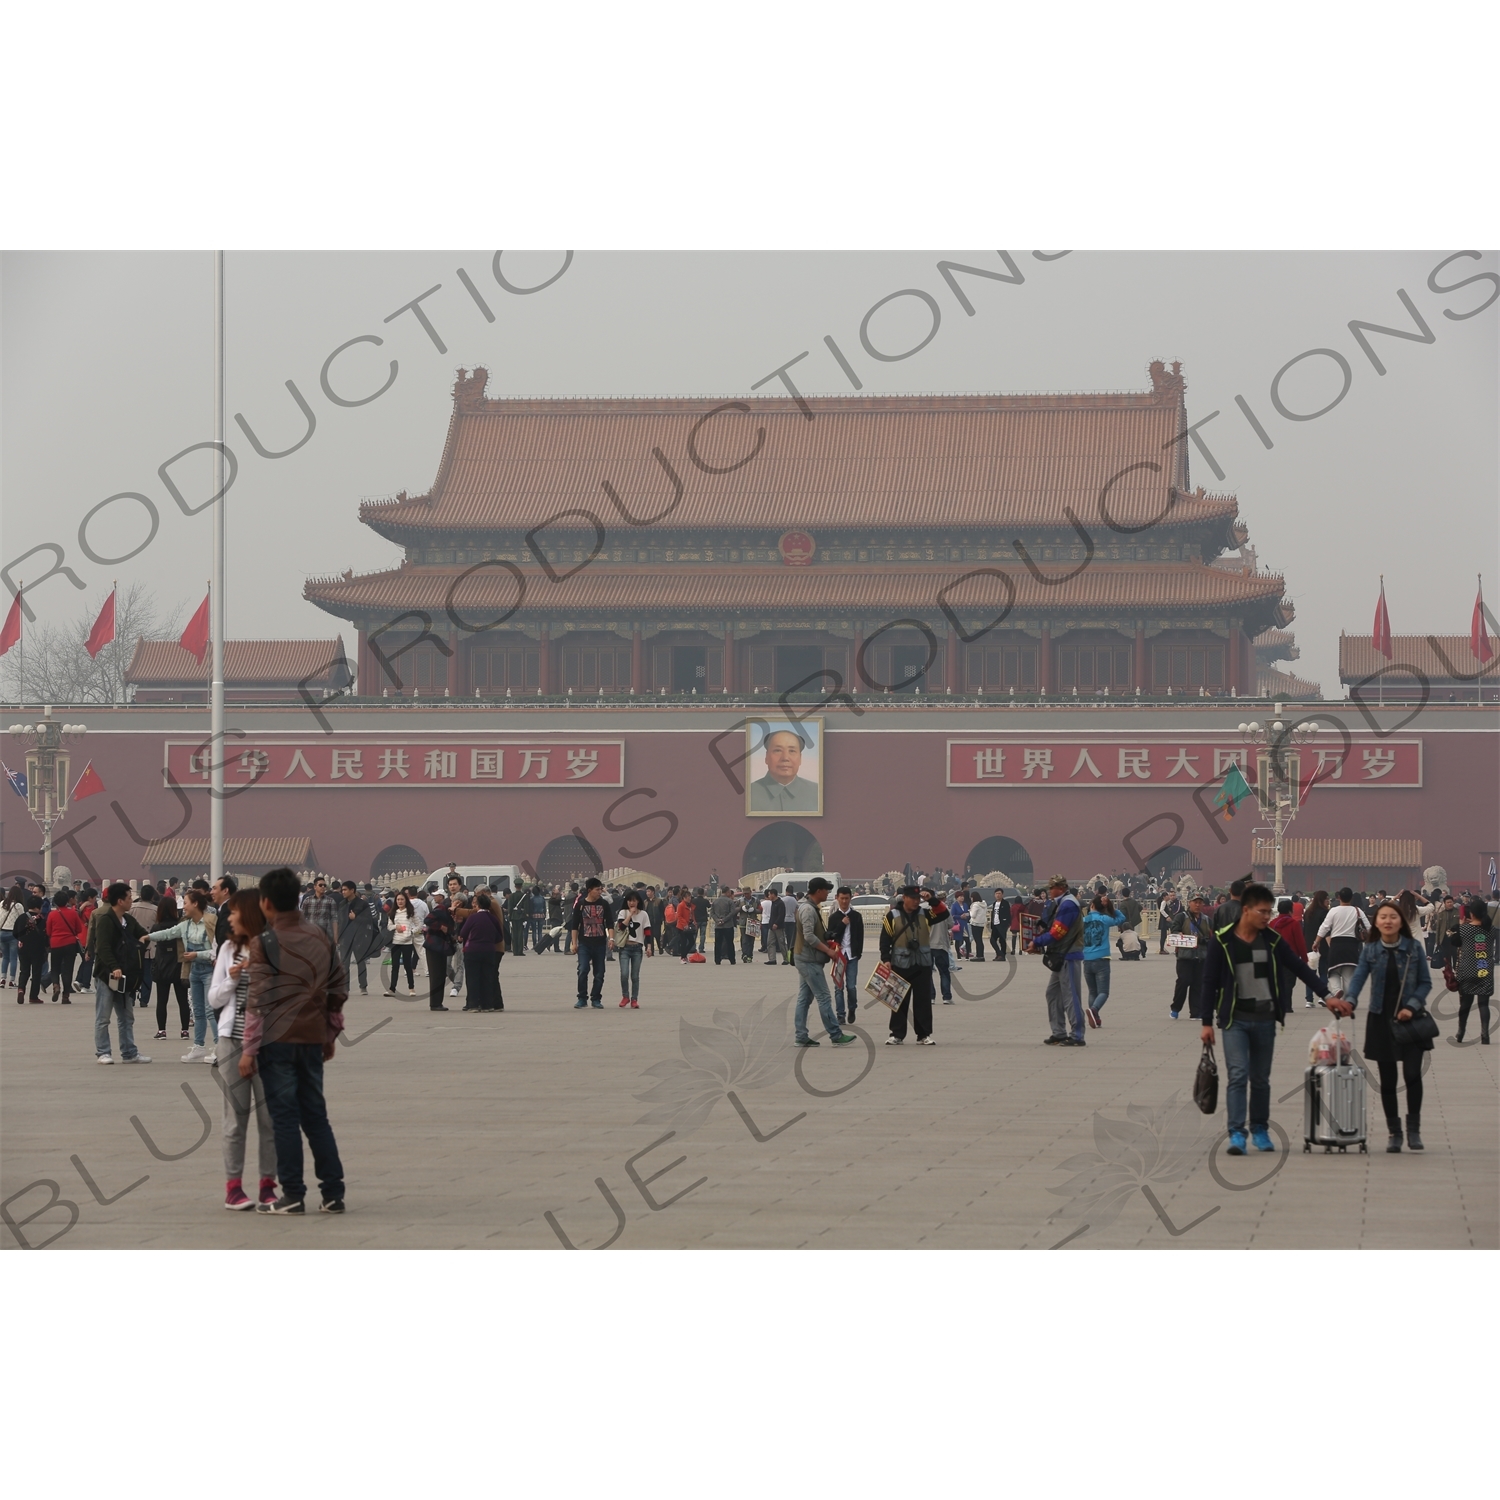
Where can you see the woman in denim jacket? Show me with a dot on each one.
(1394, 962)
(1098, 921)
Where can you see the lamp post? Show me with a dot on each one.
(1277, 781)
(47, 767)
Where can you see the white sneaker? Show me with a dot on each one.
(926, 1041)
(893, 1041)
(139, 1057)
(105, 1059)
(453, 992)
(211, 1056)
(195, 1054)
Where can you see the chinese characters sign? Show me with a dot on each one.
(401, 763)
(1159, 763)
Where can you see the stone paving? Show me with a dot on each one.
(528, 1129)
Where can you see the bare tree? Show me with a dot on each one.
(57, 667)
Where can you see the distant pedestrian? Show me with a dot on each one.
(405, 929)
(196, 934)
(722, 913)
(356, 933)
(117, 939)
(165, 957)
(1470, 949)
(632, 928)
(12, 908)
(294, 1011)
(228, 995)
(811, 953)
(904, 944)
(846, 931)
(590, 925)
(1061, 932)
(65, 935)
(438, 946)
(1099, 922)
(1196, 924)
(747, 922)
(321, 908)
(34, 947)
(482, 936)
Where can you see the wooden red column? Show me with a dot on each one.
(544, 664)
(637, 661)
(950, 663)
(729, 682)
(1044, 666)
(1236, 654)
(856, 662)
(1142, 680)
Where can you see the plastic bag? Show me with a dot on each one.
(1206, 1082)
(1330, 1047)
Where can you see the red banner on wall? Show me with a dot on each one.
(1136, 763)
(390, 763)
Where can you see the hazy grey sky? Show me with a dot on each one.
(107, 372)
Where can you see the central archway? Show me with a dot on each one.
(397, 859)
(1006, 855)
(788, 845)
(565, 859)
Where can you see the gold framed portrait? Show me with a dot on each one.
(784, 767)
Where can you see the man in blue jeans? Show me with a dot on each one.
(1248, 977)
(294, 1010)
(590, 924)
(117, 938)
(810, 951)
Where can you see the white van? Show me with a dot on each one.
(497, 877)
(794, 882)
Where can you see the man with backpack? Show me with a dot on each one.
(294, 1011)
(1060, 942)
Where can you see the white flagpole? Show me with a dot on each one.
(216, 604)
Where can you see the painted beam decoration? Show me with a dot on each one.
(387, 762)
(1016, 760)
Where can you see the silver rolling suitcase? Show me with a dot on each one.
(1334, 1107)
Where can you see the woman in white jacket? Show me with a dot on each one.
(227, 992)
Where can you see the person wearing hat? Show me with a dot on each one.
(905, 944)
(1062, 933)
(810, 951)
(1195, 922)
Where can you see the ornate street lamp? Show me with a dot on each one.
(47, 778)
(1278, 780)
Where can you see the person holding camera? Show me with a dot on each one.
(117, 941)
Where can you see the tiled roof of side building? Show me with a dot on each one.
(756, 591)
(293, 850)
(510, 464)
(1375, 854)
(1439, 658)
(1270, 683)
(270, 662)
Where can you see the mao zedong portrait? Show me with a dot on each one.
(783, 789)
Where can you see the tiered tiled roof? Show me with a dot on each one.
(1358, 658)
(246, 664)
(243, 855)
(980, 461)
(1269, 683)
(756, 591)
(1343, 854)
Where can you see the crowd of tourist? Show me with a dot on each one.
(259, 978)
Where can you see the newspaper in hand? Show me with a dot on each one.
(886, 986)
(1182, 940)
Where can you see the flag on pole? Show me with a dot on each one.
(87, 784)
(17, 780)
(104, 628)
(1479, 632)
(1233, 792)
(1382, 631)
(12, 631)
(195, 639)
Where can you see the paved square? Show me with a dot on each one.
(527, 1129)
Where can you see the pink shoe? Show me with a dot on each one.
(634, 1005)
(624, 1001)
(268, 1190)
(235, 1196)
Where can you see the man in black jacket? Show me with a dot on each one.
(357, 928)
(722, 909)
(117, 938)
(1193, 923)
(846, 931)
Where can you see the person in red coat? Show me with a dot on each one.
(66, 931)
(1287, 925)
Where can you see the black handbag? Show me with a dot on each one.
(1415, 1034)
(1206, 1082)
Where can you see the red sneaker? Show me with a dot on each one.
(235, 1196)
(635, 1005)
(624, 1001)
(268, 1190)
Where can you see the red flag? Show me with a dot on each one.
(195, 638)
(87, 784)
(104, 628)
(1383, 627)
(12, 631)
(1479, 634)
